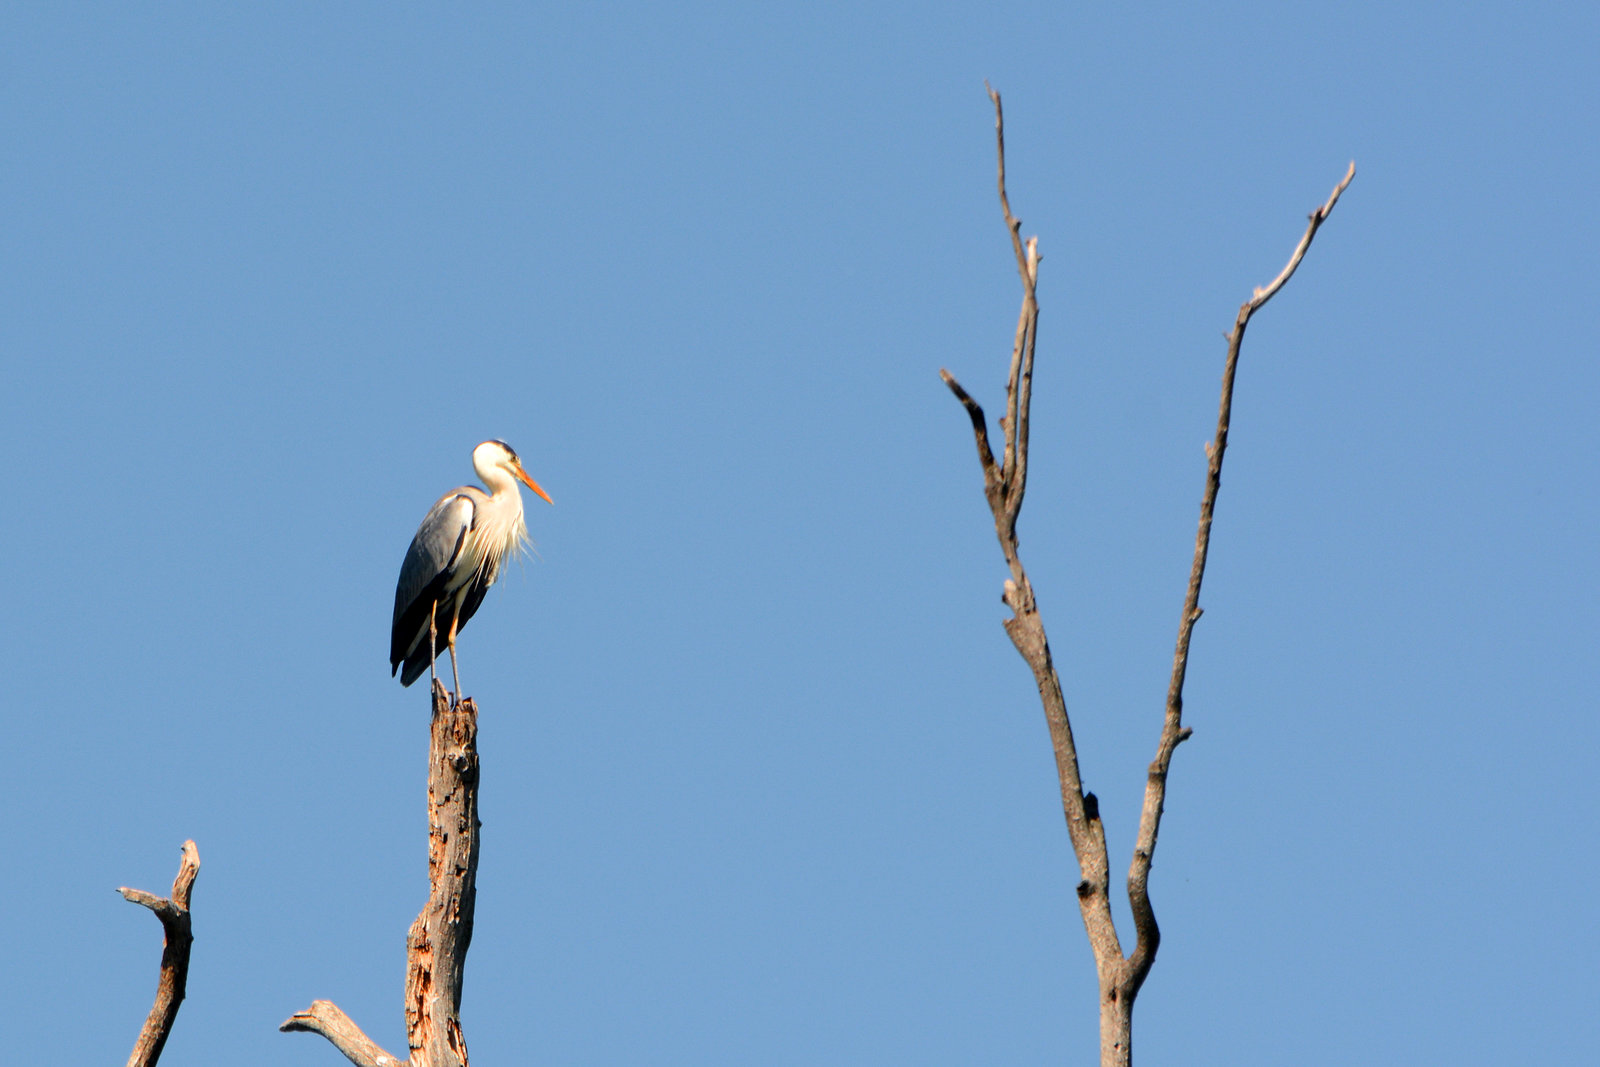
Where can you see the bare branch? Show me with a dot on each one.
(1004, 490)
(1012, 223)
(325, 1018)
(1318, 217)
(1173, 732)
(1013, 471)
(436, 946)
(173, 912)
(980, 430)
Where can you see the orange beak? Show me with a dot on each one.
(522, 475)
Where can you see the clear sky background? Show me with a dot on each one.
(763, 780)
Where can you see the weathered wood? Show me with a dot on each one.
(325, 1017)
(1120, 977)
(436, 946)
(1173, 732)
(173, 912)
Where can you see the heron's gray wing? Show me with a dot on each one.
(426, 571)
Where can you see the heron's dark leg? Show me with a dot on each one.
(433, 644)
(451, 644)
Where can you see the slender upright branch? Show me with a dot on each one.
(173, 912)
(1003, 488)
(1019, 383)
(436, 946)
(1173, 732)
(1120, 978)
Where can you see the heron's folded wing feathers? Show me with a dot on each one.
(426, 570)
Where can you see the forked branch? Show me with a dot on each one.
(436, 947)
(173, 912)
(1120, 978)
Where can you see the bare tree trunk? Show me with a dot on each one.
(1120, 977)
(173, 912)
(1116, 1027)
(436, 946)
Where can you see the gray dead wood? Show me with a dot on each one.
(173, 912)
(1120, 977)
(436, 946)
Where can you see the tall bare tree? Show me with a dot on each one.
(436, 947)
(1120, 976)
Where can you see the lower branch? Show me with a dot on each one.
(436, 946)
(173, 912)
(325, 1018)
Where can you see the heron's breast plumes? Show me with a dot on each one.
(497, 533)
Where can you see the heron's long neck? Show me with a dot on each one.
(503, 528)
(502, 487)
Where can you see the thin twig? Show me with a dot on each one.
(1028, 315)
(1318, 217)
(980, 430)
(1022, 375)
(1012, 225)
(173, 912)
(1173, 732)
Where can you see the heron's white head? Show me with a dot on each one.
(497, 526)
(493, 457)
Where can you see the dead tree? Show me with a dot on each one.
(436, 946)
(1120, 976)
(173, 912)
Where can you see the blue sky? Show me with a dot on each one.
(763, 779)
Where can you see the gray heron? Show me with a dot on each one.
(454, 559)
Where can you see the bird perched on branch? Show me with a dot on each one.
(454, 559)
